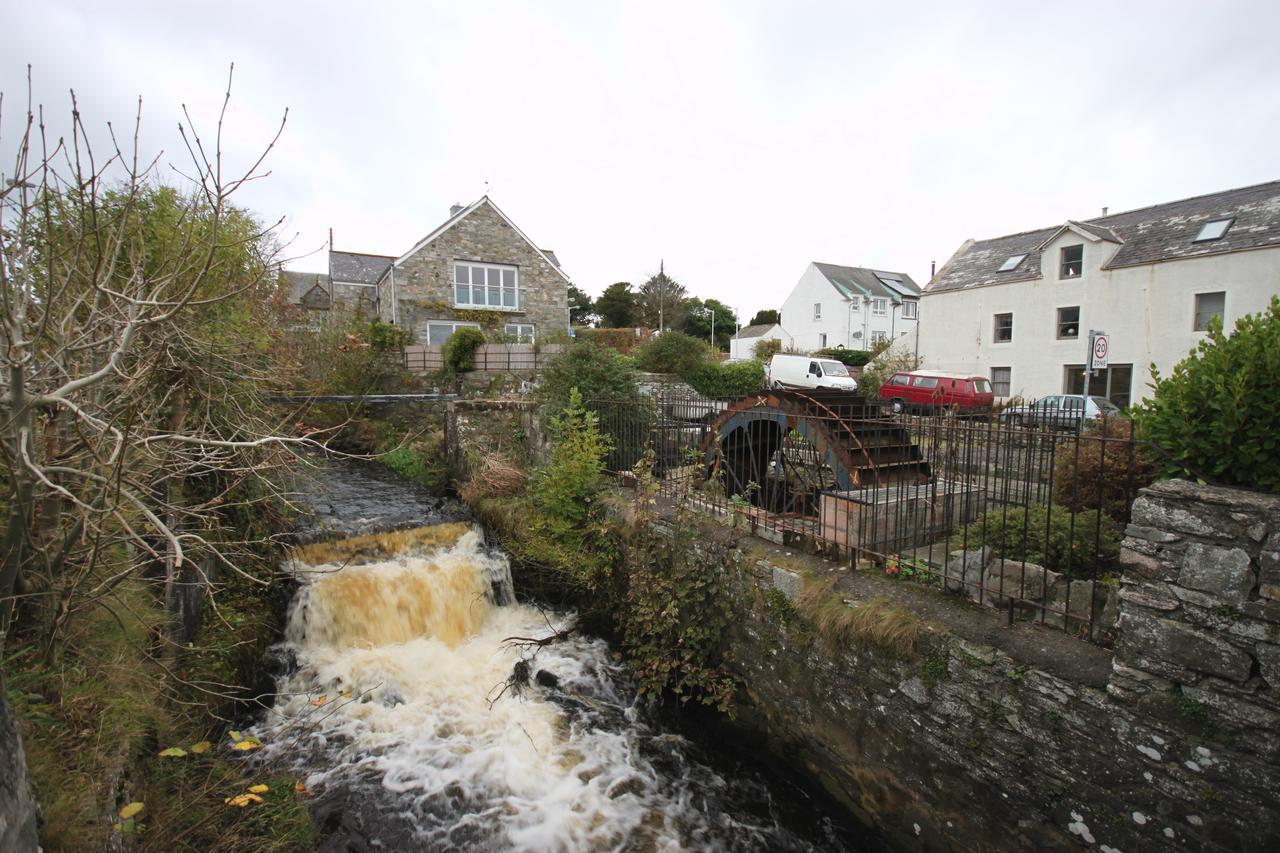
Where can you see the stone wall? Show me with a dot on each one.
(997, 738)
(424, 281)
(477, 427)
(18, 809)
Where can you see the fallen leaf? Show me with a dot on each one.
(131, 810)
(299, 788)
(346, 694)
(117, 827)
(235, 735)
(242, 800)
(247, 744)
(258, 789)
(201, 748)
(173, 752)
(320, 701)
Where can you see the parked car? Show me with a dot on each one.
(803, 371)
(1059, 411)
(928, 391)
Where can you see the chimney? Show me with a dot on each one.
(330, 239)
(933, 269)
(455, 210)
(1104, 211)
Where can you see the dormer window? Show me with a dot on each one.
(1012, 263)
(1072, 261)
(1214, 229)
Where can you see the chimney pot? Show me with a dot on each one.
(1104, 211)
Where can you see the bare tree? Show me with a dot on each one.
(135, 441)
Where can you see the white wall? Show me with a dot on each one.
(1148, 311)
(742, 347)
(845, 323)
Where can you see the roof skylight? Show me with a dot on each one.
(1012, 262)
(1214, 229)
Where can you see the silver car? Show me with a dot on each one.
(1059, 411)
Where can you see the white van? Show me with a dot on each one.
(805, 371)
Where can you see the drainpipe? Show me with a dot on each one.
(395, 306)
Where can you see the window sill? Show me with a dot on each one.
(504, 309)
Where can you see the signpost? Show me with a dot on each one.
(1099, 352)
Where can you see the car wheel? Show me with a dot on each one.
(898, 406)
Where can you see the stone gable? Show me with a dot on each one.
(424, 282)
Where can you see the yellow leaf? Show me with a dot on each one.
(320, 701)
(201, 748)
(117, 827)
(242, 800)
(247, 744)
(258, 789)
(299, 788)
(346, 694)
(173, 752)
(131, 810)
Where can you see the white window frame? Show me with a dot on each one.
(822, 340)
(516, 296)
(995, 327)
(910, 309)
(880, 307)
(817, 310)
(456, 324)
(878, 337)
(520, 336)
(1007, 382)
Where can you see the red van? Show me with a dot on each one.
(927, 391)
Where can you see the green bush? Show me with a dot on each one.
(1046, 538)
(460, 350)
(599, 373)
(726, 379)
(1215, 415)
(671, 352)
(848, 357)
(566, 489)
(384, 337)
(766, 348)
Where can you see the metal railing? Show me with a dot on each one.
(916, 495)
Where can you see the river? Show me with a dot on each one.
(398, 709)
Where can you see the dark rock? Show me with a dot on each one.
(1146, 635)
(1224, 572)
(547, 679)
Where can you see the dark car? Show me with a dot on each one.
(1059, 411)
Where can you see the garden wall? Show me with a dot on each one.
(995, 738)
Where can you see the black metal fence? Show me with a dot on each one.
(1022, 510)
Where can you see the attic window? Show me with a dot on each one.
(1012, 263)
(1214, 229)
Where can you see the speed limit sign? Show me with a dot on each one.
(1099, 350)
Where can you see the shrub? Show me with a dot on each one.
(625, 341)
(566, 489)
(766, 349)
(671, 352)
(460, 350)
(848, 357)
(1046, 537)
(726, 380)
(1107, 471)
(597, 372)
(882, 366)
(1215, 414)
(385, 337)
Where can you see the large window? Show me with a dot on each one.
(1208, 306)
(1072, 261)
(1003, 328)
(1068, 323)
(486, 286)
(438, 331)
(522, 332)
(909, 309)
(1114, 382)
(1000, 379)
(880, 306)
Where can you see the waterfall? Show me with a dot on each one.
(396, 710)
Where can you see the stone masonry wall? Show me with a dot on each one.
(970, 745)
(424, 282)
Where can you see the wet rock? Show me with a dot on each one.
(547, 679)
(629, 785)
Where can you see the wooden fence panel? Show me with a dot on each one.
(490, 358)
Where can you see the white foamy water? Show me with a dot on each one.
(396, 707)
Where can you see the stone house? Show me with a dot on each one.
(1019, 308)
(351, 283)
(477, 269)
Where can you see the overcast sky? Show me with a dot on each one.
(737, 141)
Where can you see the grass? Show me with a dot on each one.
(877, 622)
(96, 716)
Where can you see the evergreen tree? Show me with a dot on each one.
(616, 307)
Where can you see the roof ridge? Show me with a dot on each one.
(1181, 200)
(366, 254)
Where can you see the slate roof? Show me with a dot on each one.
(864, 281)
(301, 283)
(358, 268)
(1162, 232)
(755, 331)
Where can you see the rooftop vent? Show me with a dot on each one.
(455, 210)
